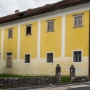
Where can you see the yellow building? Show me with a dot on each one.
(33, 42)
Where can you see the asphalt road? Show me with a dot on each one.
(66, 87)
(83, 88)
(74, 86)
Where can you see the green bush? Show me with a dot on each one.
(65, 79)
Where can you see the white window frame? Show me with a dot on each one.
(74, 16)
(53, 25)
(24, 57)
(46, 57)
(26, 29)
(12, 32)
(81, 56)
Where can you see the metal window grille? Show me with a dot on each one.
(77, 56)
(49, 57)
(27, 58)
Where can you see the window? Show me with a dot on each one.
(27, 58)
(49, 57)
(77, 56)
(50, 26)
(10, 33)
(28, 30)
(77, 20)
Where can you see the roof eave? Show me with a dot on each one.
(48, 11)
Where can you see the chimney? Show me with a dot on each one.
(17, 11)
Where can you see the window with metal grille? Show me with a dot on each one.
(78, 21)
(49, 57)
(77, 57)
(10, 33)
(50, 26)
(27, 58)
(28, 30)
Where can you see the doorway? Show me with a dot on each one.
(9, 60)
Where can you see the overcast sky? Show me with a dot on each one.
(9, 6)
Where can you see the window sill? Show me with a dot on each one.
(10, 37)
(28, 34)
(8, 68)
(27, 63)
(77, 61)
(49, 62)
(78, 26)
(51, 31)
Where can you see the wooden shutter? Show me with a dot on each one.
(9, 62)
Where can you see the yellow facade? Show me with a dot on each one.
(51, 41)
(77, 38)
(10, 44)
(28, 43)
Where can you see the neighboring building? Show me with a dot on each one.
(33, 42)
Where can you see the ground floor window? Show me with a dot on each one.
(27, 58)
(49, 57)
(77, 56)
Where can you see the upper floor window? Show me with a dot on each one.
(50, 25)
(78, 20)
(77, 56)
(10, 33)
(49, 57)
(28, 30)
(27, 58)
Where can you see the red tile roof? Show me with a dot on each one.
(41, 10)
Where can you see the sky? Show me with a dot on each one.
(10, 6)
